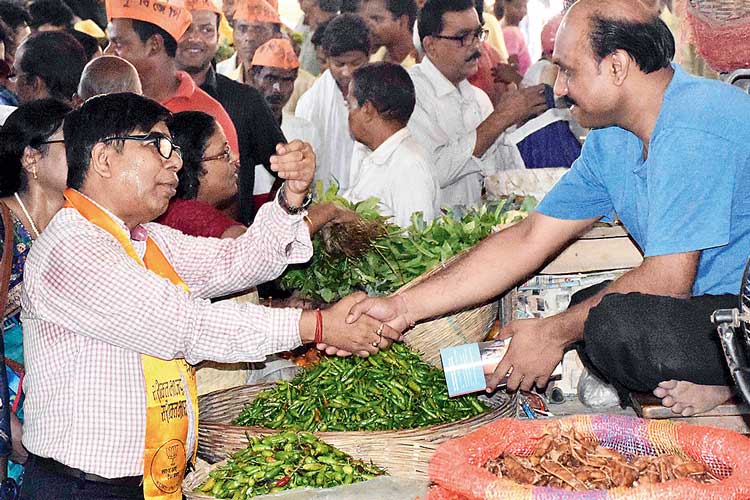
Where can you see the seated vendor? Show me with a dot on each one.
(670, 156)
(121, 305)
(388, 163)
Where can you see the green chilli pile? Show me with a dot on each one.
(284, 461)
(400, 255)
(391, 390)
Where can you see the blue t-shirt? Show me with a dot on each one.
(693, 191)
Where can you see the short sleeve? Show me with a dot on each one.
(686, 213)
(581, 193)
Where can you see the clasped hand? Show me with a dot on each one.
(364, 336)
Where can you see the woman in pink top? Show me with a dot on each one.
(512, 12)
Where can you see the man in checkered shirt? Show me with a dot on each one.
(91, 310)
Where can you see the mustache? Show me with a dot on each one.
(474, 55)
(275, 98)
(568, 101)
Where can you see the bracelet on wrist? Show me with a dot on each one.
(318, 326)
(291, 209)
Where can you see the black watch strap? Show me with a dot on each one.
(292, 210)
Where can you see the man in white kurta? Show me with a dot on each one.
(388, 162)
(346, 42)
(454, 120)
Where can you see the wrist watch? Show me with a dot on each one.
(292, 210)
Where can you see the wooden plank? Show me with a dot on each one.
(649, 406)
(589, 255)
(604, 232)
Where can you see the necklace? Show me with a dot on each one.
(28, 215)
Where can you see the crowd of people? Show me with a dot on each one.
(146, 174)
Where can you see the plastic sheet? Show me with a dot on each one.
(457, 466)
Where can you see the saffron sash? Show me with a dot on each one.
(165, 454)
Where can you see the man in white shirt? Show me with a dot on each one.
(454, 120)
(346, 42)
(388, 162)
(274, 70)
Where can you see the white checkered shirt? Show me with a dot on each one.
(89, 311)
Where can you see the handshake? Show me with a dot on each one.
(356, 324)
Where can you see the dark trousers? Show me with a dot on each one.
(634, 341)
(41, 484)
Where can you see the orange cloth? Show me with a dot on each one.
(190, 97)
(167, 423)
(192, 5)
(169, 15)
(256, 11)
(276, 53)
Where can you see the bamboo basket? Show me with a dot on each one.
(468, 326)
(721, 32)
(404, 453)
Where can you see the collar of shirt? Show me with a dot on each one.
(139, 233)
(383, 153)
(441, 84)
(186, 89)
(210, 86)
(238, 75)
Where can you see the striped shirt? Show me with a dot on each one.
(89, 311)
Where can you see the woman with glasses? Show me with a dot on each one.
(32, 180)
(208, 178)
(208, 183)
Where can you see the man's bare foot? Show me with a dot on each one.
(688, 399)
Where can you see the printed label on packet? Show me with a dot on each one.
(466, 366)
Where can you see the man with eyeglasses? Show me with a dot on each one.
(124, 305)
(454, 120)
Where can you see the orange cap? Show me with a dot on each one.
(274, 4)
(169, 15)
(256, 11)
(192, 5)
(276, 53)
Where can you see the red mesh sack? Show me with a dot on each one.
(457, 466)
(721, 32)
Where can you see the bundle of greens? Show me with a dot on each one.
(391, 390)
(284, 461)
(399, 255)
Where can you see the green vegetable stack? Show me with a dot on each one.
(391, 390)
(402, 254)
(284, 461)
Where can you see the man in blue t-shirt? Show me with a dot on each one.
(670, 157)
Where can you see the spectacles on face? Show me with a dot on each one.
(480, 34)
(163, 145)
(226, 155)
(52, 141)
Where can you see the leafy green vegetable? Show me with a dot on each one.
(400, 256)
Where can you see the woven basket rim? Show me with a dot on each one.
(725, 12)
(229, 394)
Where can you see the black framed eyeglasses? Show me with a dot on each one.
(164, 146)
(469, 38)
(52, 141)
(226, 155)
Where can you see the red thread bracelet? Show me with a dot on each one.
(318, 326)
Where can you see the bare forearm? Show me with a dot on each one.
(490, 268)
(489, 130)
(320, 215)
(651, 277)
